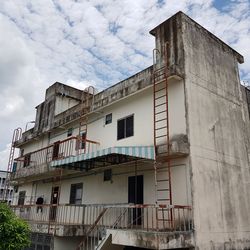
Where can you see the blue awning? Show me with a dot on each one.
(141, 152)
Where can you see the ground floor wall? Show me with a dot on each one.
(66, 243)
(48, 242)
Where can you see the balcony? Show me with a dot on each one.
(37, 163)
(132, 222)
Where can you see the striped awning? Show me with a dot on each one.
(141, 152)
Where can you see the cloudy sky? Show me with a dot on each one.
(92, 42)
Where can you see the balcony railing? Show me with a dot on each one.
(124, 216)
(37, 161)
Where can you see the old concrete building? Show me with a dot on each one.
(158, 161)
(7, 195)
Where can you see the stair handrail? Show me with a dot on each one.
(91, 229)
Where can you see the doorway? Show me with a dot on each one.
(54, 202)
(55, 152)
(135, 196)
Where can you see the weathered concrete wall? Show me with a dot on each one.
(66, 243)
(219, 144)
(168, 40)
(63, 103)
(152, 240)
(58, 97)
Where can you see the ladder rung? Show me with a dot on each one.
(162, 180)
(159, 136)
(160, 112)
(159, 71)
(161, 104)
(159, 75)
(163, 199)
(163, 119)
(160, 97)
(159, 81)
(161, 128)
(163, 189)
(158, 90)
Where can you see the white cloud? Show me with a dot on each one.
(96, 42)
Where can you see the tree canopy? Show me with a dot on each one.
(14, 232)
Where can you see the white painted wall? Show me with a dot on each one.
(141, 106)
(96, 191)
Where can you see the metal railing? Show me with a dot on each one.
(37, 161)
(135, 217)
(124, 216)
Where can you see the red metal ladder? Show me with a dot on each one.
(163, 190)
(85, 107)
(17, 134)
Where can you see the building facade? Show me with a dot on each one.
(158, 161)
(9, 192)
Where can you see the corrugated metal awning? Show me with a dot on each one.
(140, 152)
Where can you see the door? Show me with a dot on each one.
(55, 153)
(135, 196)
(54, 202)
(21, 198)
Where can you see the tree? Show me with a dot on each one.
(14, 232)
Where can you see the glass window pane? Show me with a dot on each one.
(108, 119)
(121, 129)
(130, 126)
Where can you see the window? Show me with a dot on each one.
(21, 198)
(70, 132)
(76, 194)
(3, 181)
(125, 127)
(108, 119)
(107, 175)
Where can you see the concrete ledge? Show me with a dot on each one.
(152, 240)
(179, 147)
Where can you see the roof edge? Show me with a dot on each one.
(238, 56)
